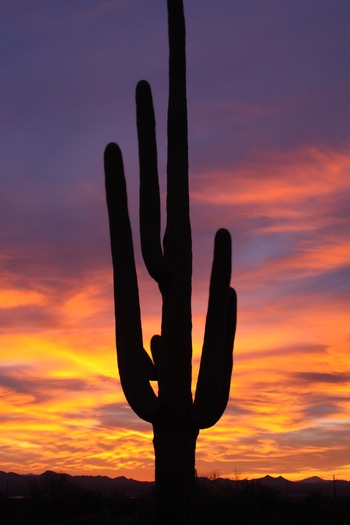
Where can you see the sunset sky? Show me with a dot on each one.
(269, 139)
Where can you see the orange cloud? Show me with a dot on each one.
(279, 179)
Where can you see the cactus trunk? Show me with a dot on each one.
(174, 446)
(175, 417)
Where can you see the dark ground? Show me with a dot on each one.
(241, 504)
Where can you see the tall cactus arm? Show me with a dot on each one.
(149, 185)
(216, 363)
(132, 361)
(230, 332)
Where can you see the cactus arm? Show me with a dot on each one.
(216, 361)
(230, 332)
(207, 418)
(132, 361)
(149, 185)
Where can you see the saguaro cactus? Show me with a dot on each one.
(175, 417)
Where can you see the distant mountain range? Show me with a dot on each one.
(17, 485)
(12, 485)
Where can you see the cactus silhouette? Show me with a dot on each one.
(175, 416)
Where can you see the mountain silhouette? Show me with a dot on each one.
(313, 479)
(14, 485)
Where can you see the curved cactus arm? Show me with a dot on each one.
(217, 338)
(208, 418)
(149, 186)
(132, 361)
